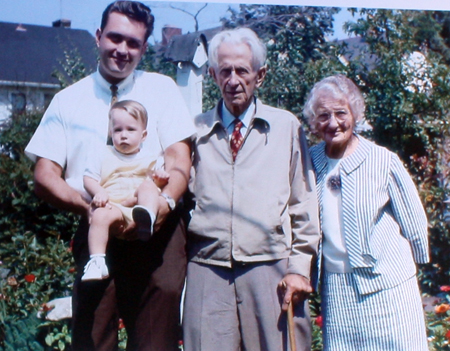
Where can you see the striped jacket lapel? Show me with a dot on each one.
(319, 161)
(357, 242)
(320, 167)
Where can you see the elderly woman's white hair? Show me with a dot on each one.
(238, 36)
(338, 86)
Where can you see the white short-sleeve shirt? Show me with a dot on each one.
(76, 121)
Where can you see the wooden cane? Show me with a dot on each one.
(291, 328)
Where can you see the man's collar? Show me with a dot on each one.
(206, 122)
(245, 117)
(122, 85)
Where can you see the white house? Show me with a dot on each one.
(29, 58)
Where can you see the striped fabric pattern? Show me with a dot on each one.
(385, 225)
(388, 320)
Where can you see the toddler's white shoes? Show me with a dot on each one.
(95, 269)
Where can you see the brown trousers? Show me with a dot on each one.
(144, 290)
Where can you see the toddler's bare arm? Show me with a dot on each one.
(99, 195)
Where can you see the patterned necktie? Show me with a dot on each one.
(236, 139)
(114, 89)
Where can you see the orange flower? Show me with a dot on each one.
(445, 288)
(442, 308)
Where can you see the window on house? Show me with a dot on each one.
(18, 102)
(47, 99)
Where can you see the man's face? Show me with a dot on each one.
(121, 45)
(236, 77)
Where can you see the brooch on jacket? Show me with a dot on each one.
(334, 182)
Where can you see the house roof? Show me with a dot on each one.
(182, 48)
(356, 48)
(31, 53)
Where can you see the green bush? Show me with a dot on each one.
(21, 335)
(36, 264)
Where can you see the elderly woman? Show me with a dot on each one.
(374, 230)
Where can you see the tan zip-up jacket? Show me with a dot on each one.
(261, 207)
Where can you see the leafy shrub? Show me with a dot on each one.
(438, 321)
(35, 260)
(57, 335)
(21, 336)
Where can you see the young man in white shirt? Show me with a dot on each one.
(146, 278)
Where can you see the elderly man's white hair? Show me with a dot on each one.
(238, 36)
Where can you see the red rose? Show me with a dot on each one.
(30, 278)
(319, 321)
(71, 270)
(445, 288)
(121, 325)
(447, 335)
(45, 308)
(70, 248)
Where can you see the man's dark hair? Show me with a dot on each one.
(132, 9)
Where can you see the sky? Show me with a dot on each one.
(86, 14)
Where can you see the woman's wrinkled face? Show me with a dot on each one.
(334, 121)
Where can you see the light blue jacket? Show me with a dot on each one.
(385, 225)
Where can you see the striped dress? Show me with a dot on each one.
(377, 306)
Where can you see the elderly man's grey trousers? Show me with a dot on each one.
(239, 308)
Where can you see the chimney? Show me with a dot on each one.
(62, 23)
(168, 32)
(21, 28)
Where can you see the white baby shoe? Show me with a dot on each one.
(95, 269)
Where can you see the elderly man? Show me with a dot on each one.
(254, 230)
(147, 277)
